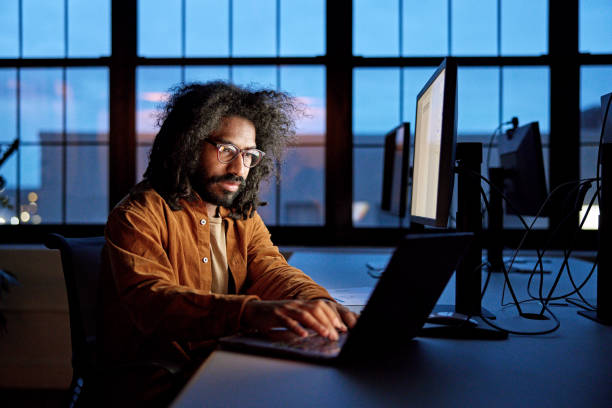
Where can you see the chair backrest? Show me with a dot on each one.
(81, 261)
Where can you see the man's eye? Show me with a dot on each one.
(227, 149)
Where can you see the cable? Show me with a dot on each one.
(505, 271)
(540, 255)
(514, 122)
(483, 195)
(567, 251)
(539, 262)
(566, 259)
(490, 144)
(524, 333)
(519, 247)
(598, 196)
(486, 284)
(577, 289)
(565, 264)
(528, 227)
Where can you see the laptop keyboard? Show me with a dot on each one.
(314, 343)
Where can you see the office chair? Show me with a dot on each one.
(81, 262)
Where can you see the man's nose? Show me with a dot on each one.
(237, 166)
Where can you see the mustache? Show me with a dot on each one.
(227, 177)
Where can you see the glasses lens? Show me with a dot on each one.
(252, 158)
(227, 153)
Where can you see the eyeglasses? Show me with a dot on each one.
(227, 152)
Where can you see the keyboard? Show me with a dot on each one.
(311, 343)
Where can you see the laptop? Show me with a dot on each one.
(396, 311)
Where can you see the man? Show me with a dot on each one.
(188, 259)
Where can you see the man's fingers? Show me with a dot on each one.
(332, 315)
(325, 316)
(303, 316)
(348, 317)
(292, 325)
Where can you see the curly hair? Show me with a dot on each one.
(192, 113)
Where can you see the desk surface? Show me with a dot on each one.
(570, 367)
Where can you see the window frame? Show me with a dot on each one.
(563, 59)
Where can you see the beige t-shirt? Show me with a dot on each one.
(218, 255)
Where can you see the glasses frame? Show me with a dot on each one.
(240, 152)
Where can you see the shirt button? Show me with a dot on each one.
(203, 221)
(205, 260)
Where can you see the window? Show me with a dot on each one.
(62, 124)
(487, 95)
(414, 28)
(377, 97)
(243, 28)
(56, 71)
(595, 35)
(231, 28)
(297, 197)
(59, 113)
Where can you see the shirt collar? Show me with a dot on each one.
(201, 204)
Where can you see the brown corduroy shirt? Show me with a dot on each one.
(156, 278)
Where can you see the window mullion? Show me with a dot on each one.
(122, 135)
(339, 131)
(564, 163)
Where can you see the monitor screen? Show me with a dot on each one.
(396, 170)
(520, 153)
(434, 148)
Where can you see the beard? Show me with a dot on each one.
(204, 185)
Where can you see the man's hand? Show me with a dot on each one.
(323, 316)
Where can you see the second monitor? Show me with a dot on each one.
(524, 179)
(396, 170)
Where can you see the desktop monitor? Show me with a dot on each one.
(433, 177)
(606, 120)
(522, 162)
(434, 147)
(396, 170)
(603, 310)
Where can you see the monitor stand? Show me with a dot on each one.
(603, 312)
(468, 277)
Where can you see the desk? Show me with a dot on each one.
(571, 367)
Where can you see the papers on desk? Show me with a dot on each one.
(352, 296)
